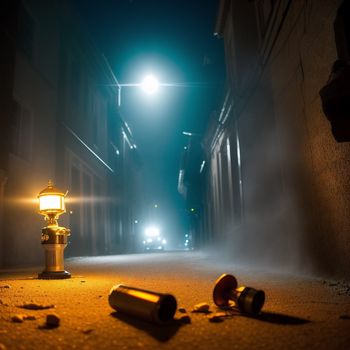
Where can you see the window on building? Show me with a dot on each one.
(26, 31)
(83, 213)
(21, 122)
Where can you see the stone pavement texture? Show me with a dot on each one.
(300, 312)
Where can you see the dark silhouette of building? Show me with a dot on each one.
(60, 121)
(278, 189)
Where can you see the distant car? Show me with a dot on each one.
(153, 240)
(154, 243)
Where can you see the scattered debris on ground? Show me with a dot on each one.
(201, 307)
(217, 317)
(52, 320)
(87, 330)
(19, 318)
(30, 317)
(342, 287)
(184, 319)
(36, 306)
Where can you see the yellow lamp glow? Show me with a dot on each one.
(51, 202)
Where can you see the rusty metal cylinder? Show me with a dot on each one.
(248, 300)
(150, 306)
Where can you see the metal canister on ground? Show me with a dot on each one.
(247, 299)
(150, 306)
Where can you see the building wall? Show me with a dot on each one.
(290, 188)
(8, 29)
(65, 126)
(32, 130)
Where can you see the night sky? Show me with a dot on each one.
(174, 41)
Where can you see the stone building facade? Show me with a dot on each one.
(61, 122)
(278, 181)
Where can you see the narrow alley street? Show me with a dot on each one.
(299, 313)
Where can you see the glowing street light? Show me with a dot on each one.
(53, 237)
(150, 84)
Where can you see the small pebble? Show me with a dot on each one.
(215, 319)
(18, 318)
(6, 286)
(184, 319)
(182, 310)
(35, 306)
(87, 330)
(29, 317)
(201, 307)
(52, 320)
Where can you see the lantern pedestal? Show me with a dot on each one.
(54, 240)
(46, 275)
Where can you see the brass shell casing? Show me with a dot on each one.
(150, 306)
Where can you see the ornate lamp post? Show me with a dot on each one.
(54, 238)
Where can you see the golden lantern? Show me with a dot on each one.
(54, 238)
